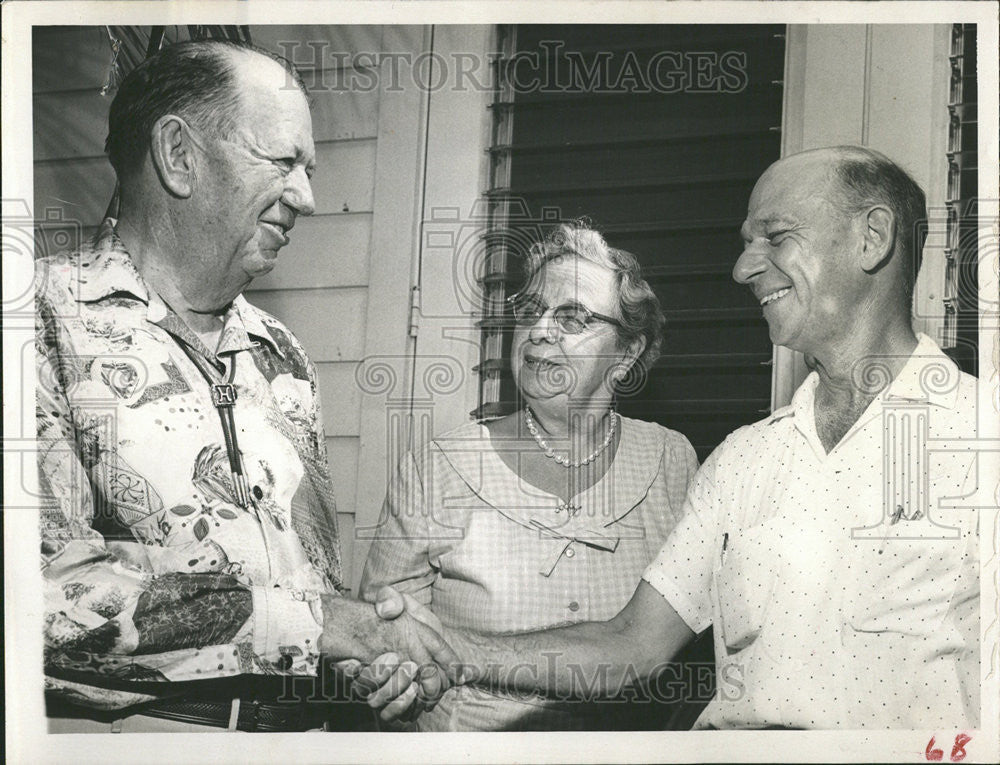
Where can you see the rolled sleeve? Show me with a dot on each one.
(689, 609)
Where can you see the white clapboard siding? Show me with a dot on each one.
(90, 52)
(342, 452)
(339, 113)
(325, 251)
(325, 320)
(337, 385)
(345, 176)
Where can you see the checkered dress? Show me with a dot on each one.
(465, 535)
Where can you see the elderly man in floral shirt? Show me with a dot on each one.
(189, 540)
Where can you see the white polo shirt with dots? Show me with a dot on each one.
(843, 587)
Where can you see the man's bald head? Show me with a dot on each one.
(831, 237)
(199, 81)
(861, 178)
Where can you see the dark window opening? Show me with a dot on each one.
(656, 133)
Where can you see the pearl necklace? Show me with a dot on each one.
(565, 461)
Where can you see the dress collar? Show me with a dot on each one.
(472, 455)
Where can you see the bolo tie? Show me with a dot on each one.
(224, 400)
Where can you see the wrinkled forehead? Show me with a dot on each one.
(276, 121)
(796, 186)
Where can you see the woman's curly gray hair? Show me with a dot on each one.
(638, 307)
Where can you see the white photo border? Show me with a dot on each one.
(27, 740)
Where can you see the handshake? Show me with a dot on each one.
(404, 659)
(397, 653)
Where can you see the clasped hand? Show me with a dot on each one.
(413, 664)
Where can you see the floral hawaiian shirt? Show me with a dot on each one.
(152, 569)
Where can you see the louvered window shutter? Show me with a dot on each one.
(658, 140)
(962, 254)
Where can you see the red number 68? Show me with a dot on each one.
(958, 752)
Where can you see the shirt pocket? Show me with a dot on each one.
(744, 583)
(907, 588)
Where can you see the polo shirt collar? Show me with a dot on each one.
(928, 376)
(801, 403)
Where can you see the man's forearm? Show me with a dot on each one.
(579, 660)
(351, 630)
(583, 659)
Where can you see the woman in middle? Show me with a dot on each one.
(551, 514)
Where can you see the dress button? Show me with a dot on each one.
(570, 552)
(258, 493)
(574, 606)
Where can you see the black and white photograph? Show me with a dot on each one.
(622, 376)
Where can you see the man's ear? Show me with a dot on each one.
(170, 148)
(879, 238)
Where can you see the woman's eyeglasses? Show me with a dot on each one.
(571, 317)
